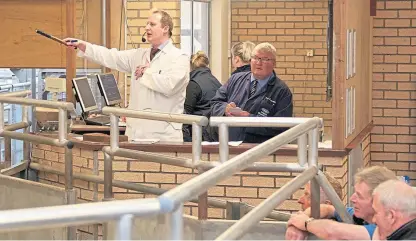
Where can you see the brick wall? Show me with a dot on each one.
(249, 187)
(293, 27)
(393, 139)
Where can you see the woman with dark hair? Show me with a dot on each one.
(199, 92)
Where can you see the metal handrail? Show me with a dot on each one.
(263, 209)
(159, 116)
(172, 201)
(212, 202)
(75, 214)
(62, 141)
(258, 121)
(201, 183)
(4, 98)
(22, 93)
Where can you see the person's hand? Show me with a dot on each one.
(298, 220)
(140, 70)
(229, 107)
(293, 233)
(123, 119)
(76, 44)
(242, 114)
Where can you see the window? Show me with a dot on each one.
(195, 27)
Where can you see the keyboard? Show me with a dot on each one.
(100, 120)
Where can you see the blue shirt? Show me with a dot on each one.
(261, 83)
(371, 227)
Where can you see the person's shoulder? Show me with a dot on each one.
(175, 50)
(282, 85)
(240, 75)
(239, 78)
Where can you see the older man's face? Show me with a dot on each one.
(305, 199)
(382, 218)
(262, 64)
(362, 201)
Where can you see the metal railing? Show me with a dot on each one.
(305, 130)
(61, 141)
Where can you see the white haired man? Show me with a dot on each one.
(363, 228)
(258, 93)
(394, 204)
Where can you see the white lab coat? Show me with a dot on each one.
(162, 88)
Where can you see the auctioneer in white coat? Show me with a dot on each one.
(161, 88)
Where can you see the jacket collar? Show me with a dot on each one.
(404, 232)
(166, 47)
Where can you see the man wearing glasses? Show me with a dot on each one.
(258, 93)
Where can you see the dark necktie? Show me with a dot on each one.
(153, 52)
(253, 88)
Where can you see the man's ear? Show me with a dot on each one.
(393, 216)
(166, 29)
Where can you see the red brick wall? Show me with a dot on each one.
(393, 139)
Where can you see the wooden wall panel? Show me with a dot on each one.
(20, 46)
(355, 15)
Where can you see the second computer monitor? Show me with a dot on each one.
(109, 89)
(84, 94)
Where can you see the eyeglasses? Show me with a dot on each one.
(263, 60)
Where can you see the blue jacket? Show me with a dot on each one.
(275, 100)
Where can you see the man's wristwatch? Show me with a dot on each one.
(307, 222)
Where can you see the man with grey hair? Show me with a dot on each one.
(394, 204)
(366, 180)
(258, 93)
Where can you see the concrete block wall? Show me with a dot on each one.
(393, 139)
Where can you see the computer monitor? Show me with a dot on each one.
(84, 94)
(109, 89)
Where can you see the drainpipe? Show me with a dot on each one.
(330, 46)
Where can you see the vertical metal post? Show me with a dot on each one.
(34, 92)
(26, 144)
(71, 196)
(196, 143)
(313, 161)
(124, 227)
(192, 26)
(63, 126)
(70, 192)
(114, 132)
(202, 202)
(313, 147)
(95, 171)
(7, 152)
(108, 177)
(68, 169)
(1, 116)
(315, 199)
(302, 149)
(233, 210)
(223, 138)
(7, 140)
(176, 223)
